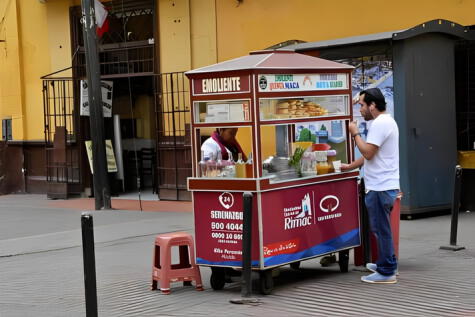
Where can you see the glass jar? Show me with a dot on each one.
(308, 164)
(331, 157)
(322, 163)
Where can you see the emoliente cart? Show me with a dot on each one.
(291, 112)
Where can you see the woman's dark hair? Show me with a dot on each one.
(374, 95)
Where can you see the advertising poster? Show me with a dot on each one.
(218, 228)
(110, 157)
(308, 221)
(371, 72)
(106, 91)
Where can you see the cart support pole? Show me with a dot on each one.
(455, 212)
(246, 286)
(89, 264)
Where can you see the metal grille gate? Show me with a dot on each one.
(173, 135)
(63, 172)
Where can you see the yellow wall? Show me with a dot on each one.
(174, 26)
(187, 34)
(257, 24)
(37, 43)
(35, 62)
(11, 103)
(193, 33)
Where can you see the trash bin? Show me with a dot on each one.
(395, 220)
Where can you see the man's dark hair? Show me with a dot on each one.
(374, 95)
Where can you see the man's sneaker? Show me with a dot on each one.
(377, 278)
(372, 267)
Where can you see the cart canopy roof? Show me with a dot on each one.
(281, 59)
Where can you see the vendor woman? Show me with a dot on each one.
(223, 140)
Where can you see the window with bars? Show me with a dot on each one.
(7, 129)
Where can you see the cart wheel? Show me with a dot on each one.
(217, 279)
(343, 259)
(266, 282)
(295, 265)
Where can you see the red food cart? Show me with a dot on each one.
(285, 105)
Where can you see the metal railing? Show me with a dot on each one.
(61, 129)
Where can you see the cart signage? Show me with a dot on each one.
(218, 228)
(221, 85)
(301, 82)
(299, 215)
(308, 221)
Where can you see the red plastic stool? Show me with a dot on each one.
(164, 271)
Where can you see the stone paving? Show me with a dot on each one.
(41, 272)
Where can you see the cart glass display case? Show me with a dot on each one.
(289, 115)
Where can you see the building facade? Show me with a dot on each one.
(148, 46)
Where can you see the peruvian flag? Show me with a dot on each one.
(102, 21)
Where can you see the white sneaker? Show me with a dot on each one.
(377, 278)
(372, 267)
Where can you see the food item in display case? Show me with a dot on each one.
(314, 109)
(282, 108)
(296, 108)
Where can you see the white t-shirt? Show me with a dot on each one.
(211, 147)
(382, 171)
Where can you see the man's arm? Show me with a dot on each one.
(355, 164)
(368, 150)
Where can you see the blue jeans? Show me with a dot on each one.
(379, 206)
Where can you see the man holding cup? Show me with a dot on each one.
(380, 158)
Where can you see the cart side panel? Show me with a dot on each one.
(218, 228)
(309, 221)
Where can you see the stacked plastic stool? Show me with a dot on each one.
(164, 272)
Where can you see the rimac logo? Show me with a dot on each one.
(226, 200)
(263, 82)
(299, 216)
(329, 203)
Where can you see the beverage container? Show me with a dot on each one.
(202, 164)
(322, 163)
(331, 157)
(249, 166)
(229, 167)
(308, 164)
(211, 170)
(240, 167)
(220, 172)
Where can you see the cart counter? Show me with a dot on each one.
(289, 224)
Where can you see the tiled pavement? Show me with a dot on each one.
(41, 271)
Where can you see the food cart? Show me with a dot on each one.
(292, 113)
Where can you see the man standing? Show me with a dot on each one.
(380, 157)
